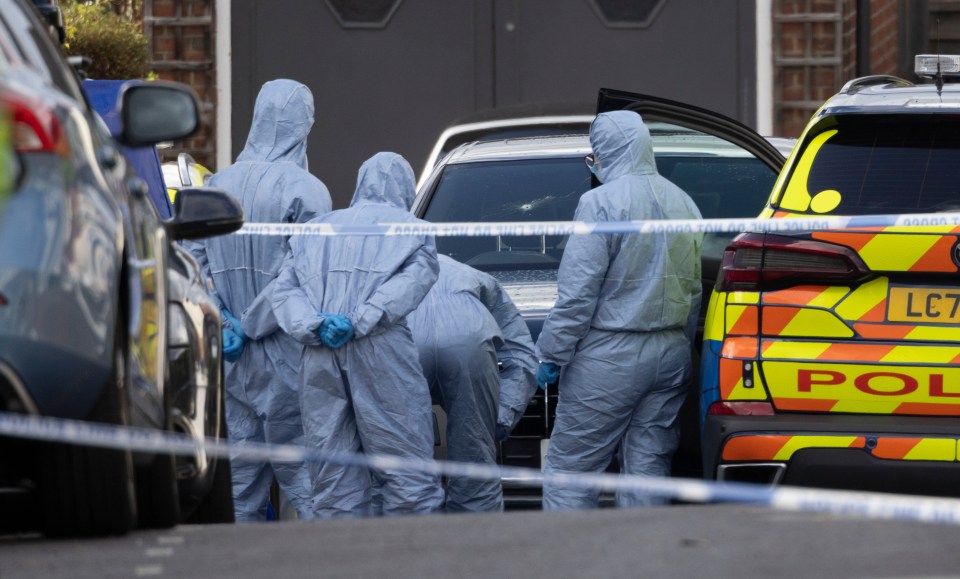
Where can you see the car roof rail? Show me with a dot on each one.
(857, 84)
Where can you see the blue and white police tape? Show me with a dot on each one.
(870, 505)
(516, 228)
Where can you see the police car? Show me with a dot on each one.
(830, 358)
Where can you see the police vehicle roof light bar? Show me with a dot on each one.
(925, 65)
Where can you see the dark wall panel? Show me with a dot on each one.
(688, 52)
(396, 87)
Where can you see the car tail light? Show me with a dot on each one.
(36, 127)
(740, 409)
(759, 262)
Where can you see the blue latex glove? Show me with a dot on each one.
(324, 324)
(340, 331)
(503, 432)
(232, 345)
(547, 373)
(234, 324)
(335, 331)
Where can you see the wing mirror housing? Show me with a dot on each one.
(155, 111)
(200, 212)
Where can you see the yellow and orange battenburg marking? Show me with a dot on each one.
(740, 381)
(713, 326)
(863, 388)
(851, 377)
(803, 322)
(879, 347)
(836, 373)
(741, 313)
(776, 447)
(913, 249)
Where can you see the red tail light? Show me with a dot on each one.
(759, 262)
(36, 127)
(740, 409)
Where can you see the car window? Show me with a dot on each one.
(879, 164)
(721, 178)
(727, 183)
(720, 185)
(35, 48)
(522, 190)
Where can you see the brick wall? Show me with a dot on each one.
(849, 67)
(884, 37)
(181, 34)
(815, 53)
(808, 39)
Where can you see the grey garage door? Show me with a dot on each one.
(389, 75)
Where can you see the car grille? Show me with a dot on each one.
(522, 449)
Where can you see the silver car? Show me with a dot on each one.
(84, 289)
(724, 166)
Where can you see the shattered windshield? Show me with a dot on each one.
(524, 190)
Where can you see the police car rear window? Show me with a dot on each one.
(889, 164)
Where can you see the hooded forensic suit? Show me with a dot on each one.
(462, 328)
(272, 184)
(622, 326)
(368, 395)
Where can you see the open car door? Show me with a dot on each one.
(726, 167)
(653, 108)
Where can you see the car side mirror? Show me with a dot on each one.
(204, 212)
(156, 111)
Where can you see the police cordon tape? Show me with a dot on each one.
(870, 505)
(518, 228)
(863, 504)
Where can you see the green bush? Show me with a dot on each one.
(115, 45)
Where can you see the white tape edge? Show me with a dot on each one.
(863, 504)
(473, 229)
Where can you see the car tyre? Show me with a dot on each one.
(217, 506)
(158, 497)
(88, 491)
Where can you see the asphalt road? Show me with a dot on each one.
(678, 541)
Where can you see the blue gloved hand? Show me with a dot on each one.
(234, 324)
(232, 345)
(547, 373)
(339, 332)
(335, 330)
(503, 432)
(324, 324)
